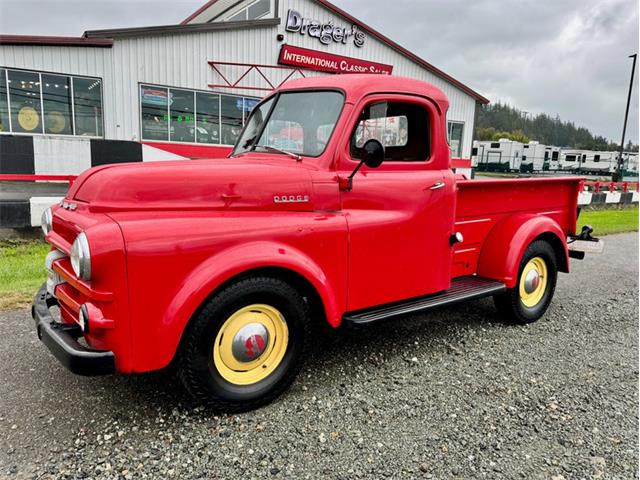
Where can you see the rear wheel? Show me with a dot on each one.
(537, 275)
(246, 345)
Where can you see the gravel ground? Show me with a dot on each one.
(451, 394)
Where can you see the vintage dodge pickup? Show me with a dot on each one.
(337, 204)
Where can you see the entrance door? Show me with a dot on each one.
(399, 215)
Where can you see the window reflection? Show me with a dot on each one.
(56, 99)
(182, 116)
(87, 94)
(208, 118)
(24, 100)
(4, 102)
(154, 110)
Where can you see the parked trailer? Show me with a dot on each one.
(551, 158)
(501, 156)
(598, 162)
(570, 160)
(533, 157)
(629, 164)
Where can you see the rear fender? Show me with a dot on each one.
(507, 241)
(226, 264)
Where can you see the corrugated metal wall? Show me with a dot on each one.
(180, 60)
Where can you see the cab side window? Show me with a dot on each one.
(402, 128)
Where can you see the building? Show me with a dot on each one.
(184, 91)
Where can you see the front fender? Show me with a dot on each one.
(507, 241)
(228, 263)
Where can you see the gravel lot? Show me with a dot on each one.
(451, 394)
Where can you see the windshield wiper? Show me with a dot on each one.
(269, 147)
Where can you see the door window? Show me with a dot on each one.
(401, 128)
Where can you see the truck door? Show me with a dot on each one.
(399, 215)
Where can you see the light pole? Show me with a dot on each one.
(617, 177)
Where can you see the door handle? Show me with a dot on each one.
(436, 186)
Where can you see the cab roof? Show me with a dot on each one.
(358, 85)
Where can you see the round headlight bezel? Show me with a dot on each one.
(81, 257)
(46, 221)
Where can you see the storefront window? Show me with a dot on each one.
(24, 99)
(455, 138)
(45, 103)
(182, 116)
(190, 116)
(56, 99)
(4, 103)
(87, 95)
(232, 115)
(208, 118)
(154, 103)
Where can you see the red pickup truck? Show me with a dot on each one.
(337, 204)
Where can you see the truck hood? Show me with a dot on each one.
(196, 185)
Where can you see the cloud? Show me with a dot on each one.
(566, 57)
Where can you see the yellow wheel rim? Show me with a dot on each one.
(533, 282)
(250, 344)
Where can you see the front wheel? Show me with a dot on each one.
(246, 345)
(537, 276)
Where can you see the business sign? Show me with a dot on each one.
(327, 62)
(326, 33)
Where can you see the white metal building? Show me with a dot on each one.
(183, 91)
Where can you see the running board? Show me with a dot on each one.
(462, 289)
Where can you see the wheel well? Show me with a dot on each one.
(558, 249)
(297, 281)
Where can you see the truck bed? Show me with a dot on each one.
(481, 204)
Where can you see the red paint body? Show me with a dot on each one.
(164, 236)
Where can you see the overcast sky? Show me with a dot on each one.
(566, 57)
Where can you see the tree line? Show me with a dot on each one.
(498, 120)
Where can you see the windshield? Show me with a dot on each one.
(296, 122)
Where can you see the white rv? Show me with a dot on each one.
(501, 156)
(551, 158)
(630, 164)
(570, 160)
(533, 157)
(598, 162)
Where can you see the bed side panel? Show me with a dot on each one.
(481, 204)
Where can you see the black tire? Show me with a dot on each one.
(196, 366)
(510, 305)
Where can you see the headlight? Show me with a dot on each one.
(81, 257)
(46, 220)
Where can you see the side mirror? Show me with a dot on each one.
(372, 157)
(373, 153)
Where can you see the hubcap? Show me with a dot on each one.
(533, 282)
(251, 344)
